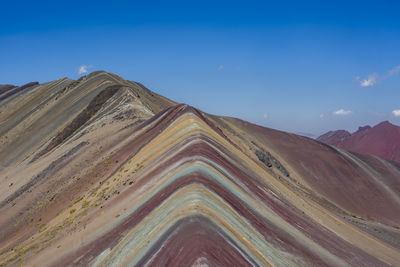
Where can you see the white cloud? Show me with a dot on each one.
(265, 116)
(321, 116)
(393, 71)
(369, 81)
(220, 67)
(83, 69)
(372, 79)
(342, 112)
(396, 112)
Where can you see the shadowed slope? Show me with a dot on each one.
(6, 87)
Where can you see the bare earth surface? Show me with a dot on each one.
(102, 171)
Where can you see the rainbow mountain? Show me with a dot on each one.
(102, 171)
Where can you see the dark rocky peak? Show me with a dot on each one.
(363, 128)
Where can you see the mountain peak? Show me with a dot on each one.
(385, 124)
(382, 140)
(333, 136)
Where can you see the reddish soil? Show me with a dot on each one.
(382, 140)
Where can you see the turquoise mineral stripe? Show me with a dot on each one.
(140, 239)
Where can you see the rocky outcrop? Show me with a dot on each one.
(270, 161)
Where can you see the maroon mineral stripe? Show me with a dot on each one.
(191, 238)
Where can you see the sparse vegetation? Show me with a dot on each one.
(85, 204)
(78, 200)
(355, 216)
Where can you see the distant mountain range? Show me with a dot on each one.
(382, 140)
(102, 171)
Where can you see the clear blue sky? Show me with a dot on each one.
(288, 65)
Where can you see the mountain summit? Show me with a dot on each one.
(382, 140)
(102, 171)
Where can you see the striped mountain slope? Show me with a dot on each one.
(104, 172)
